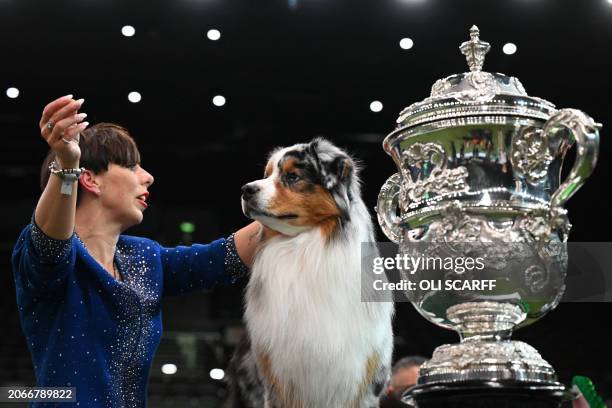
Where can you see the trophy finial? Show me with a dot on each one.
(475, 50)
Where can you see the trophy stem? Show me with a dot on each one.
(482, 321)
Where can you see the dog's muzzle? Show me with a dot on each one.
(249, 191)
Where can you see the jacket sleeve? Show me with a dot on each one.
(197, 267)
(40, 262)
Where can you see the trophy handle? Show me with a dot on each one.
(387, 206)
(585, 132)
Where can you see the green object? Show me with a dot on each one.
(525, 306)
(586, 387)
(187, 227)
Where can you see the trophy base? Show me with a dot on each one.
(486, 360)
(488, 394)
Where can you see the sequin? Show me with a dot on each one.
(48, 248)
(233, 264)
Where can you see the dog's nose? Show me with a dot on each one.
(249, 190)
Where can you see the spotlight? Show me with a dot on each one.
(217, 374)
(12, 92)
(128, 31)
(213, 35)
(187, 227)
(134, 97)
(509, 48)
(218, 100)
(169, 369)
(376, 106)
(406, 43)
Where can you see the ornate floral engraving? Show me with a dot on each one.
(475, 86)
(531, 154)
(573, 119)
(536, 278)
(457, 228)
(440, 87)
(387, 206)
(420, 153)
(481, 359)
(540, 227)
(483, 84)
(440, 180)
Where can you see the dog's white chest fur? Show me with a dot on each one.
(304, 311)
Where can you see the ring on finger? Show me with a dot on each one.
(66, 140)
(50, 125)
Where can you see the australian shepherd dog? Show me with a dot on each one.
(313, 342)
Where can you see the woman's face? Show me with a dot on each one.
(124, 193)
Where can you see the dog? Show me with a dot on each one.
(312, 342)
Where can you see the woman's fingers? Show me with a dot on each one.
(61, 127)
(63, 112)
(52, 107)
(72, 133)
(67, 111)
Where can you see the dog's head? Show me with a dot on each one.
(305, 186)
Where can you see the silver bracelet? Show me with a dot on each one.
(68, 176)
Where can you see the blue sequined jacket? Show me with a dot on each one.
(86, 329)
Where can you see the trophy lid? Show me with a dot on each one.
(475, 93)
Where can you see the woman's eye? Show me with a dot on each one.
(132, 167)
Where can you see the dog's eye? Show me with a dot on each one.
(291, 178)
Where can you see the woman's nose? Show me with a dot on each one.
(147, 177)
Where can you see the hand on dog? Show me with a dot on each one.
(249, 238)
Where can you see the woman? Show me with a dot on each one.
(89, 297)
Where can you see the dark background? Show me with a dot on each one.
(289, 71)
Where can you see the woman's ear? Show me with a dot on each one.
(89, 182)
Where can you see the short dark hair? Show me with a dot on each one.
(407, 362)
(101, 144)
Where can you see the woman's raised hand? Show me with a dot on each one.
(60, 125)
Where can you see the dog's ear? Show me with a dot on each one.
(334, 166)
(338, 172)
(336, 169)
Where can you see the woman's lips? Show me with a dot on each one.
(142, 202)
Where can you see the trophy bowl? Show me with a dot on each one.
(479, 167)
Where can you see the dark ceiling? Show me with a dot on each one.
(289, 71)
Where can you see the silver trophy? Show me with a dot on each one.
(479, 174)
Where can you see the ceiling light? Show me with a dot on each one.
(376, 106)
(217, 374)
(12, 92)
(213, 34)
(509, 48)
(169, 369)
(406, 43)
(128, 31)
(134, 97)
(218, 100)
